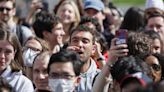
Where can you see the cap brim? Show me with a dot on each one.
(92, 7)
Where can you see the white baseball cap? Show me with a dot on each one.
(154, 4)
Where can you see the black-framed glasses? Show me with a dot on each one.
(4, 8)
(156, 67)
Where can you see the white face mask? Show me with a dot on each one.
(28, 57)
(61, 85)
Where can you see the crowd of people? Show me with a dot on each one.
(83, 46)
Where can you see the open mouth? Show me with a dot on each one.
(80, 53)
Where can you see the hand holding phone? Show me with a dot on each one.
(121, 36)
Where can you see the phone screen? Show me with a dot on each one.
(122, 35)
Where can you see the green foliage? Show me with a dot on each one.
(131, 2)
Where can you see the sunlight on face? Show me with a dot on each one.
(6, 54)
(67, 13)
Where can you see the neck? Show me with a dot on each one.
(86, 66)
(50, 43)
(53, 46)
(11, 23)
(66, 30)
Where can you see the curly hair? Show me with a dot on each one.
(138, 43)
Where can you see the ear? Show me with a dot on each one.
(45, 35)
(94, 48)
(77, 81)
(14, 54)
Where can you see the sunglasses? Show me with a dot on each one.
(4, 8)
(156, 67)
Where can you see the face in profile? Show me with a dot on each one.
(57, 34)
(7, 54)
(153, 62)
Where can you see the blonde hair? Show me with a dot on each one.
(75, 7)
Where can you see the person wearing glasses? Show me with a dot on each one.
(155, 66)
(32, 47)
(6, 10)
(7, 15)
(64, 70)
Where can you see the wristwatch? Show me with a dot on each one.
(101, 58)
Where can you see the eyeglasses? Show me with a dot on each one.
(32, 48)
(4, 8)
(63, 76)
(156, 67)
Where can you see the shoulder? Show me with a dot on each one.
(25, 29)
(23, 82)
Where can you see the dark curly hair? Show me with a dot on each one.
(138, 43)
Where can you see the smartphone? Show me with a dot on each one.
(122, 35)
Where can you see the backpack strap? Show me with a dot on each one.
(97, 73)
(19, 34)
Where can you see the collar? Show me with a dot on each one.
(92, 68)
(7, 72)
(9, 75)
